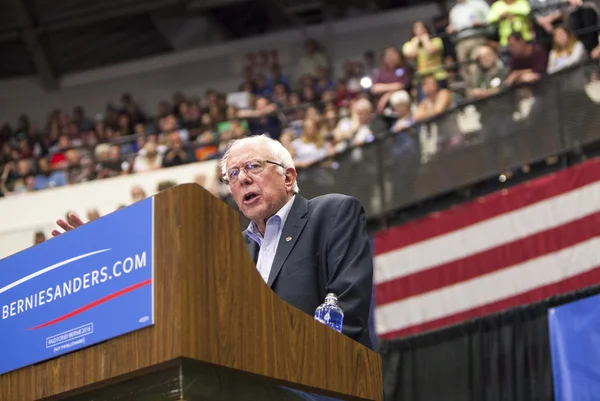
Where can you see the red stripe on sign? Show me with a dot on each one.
(488, 207)
(94, 304)
(574, 283)
(489, 261)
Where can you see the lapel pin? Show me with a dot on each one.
(288, 239)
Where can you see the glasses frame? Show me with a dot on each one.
(262, 163)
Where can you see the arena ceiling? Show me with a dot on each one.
(51, 38)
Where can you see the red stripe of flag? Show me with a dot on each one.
(488, 207)
(574, 283)
(490, 260)
(94, 304)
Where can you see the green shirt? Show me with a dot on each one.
(520, 10)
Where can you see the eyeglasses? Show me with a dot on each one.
(251, 167)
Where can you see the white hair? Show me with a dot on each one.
(278, 152)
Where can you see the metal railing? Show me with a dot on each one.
(470, 143)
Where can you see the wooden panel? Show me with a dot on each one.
(212, 306)
(243, 324)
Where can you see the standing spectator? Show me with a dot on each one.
(370, 63)
(566, 50)
(312, 59)
(468, 19)
(546, 14)
(582, 17)
(392, 76)
(527, 62)
(512, 16)
(427, 52)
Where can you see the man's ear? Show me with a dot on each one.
(290, 177)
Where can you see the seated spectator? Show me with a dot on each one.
(490, 74)
(426, 52)
(46, 178)
(248, 83)
(148, 158)
(511, 16)
(84, 124)
(137, 194)
(310, 146)
(343, 95)
(168, 124)
(356, 129)
(401, 103)
(566, 50)
(467, 21)
(527, 62)
(280, 96)
(58, 158)
(595, 53)
(323, 82)
(93, 214)
(287, 137)
(263, 120)
(436, 100)
(309, 95)
(164, 185)
(352, 76)
(277, 78)
(392, 76)
(232, 113)
(176, 154)
(260, 86)
(73, 167)
(39, 237)
(113, 165)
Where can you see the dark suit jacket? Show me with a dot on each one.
(329, 251)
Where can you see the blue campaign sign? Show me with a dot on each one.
(81, 288)
(574, 339)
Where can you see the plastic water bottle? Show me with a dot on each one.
(330, 314)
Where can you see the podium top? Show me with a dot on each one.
(211, 305)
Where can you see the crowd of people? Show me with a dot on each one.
(481, 50)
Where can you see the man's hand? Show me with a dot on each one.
(73, 222)
(596, 52)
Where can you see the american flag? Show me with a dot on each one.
(514, 247)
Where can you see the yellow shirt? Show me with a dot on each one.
(429, 63)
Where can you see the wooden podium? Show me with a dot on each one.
(220, 333)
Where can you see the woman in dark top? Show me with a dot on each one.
(393, 75)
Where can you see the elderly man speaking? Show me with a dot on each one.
(303, 249)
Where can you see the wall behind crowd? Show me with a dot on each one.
(194, 71)
(24, 215)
